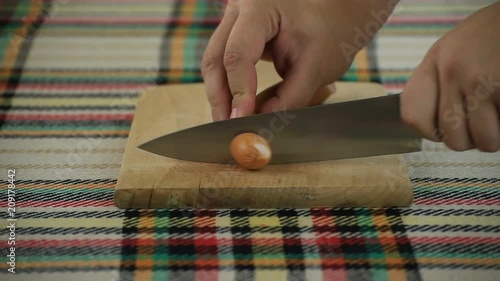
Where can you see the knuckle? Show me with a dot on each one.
(238, 98)
(246, 4)
(232, 57)
(408, 112)
(446, 60)
(218, 105)
(218, 99)
(234, 3)
(214, 108)
(230, 6)
(434, 51)
(238, 94)
(447, 69)
(471, 82)
(213, 100)
(408, 117)
(208, 62)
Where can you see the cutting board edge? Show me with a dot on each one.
(131, 198)
(255, 197)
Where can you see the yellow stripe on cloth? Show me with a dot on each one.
(452, 220)
(264, 221)
(263, 274)
(67, 222)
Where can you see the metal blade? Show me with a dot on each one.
(350, 129)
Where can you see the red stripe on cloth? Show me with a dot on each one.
(440, 201)
(292, 241)
(202, 262)
(330, 239)
(180, 241)
(328, 242)
(401, 240)
(120, 20)
(64, 117)
(335, 274)
(242, 241)
(468, 240)
(394, 86)
(209, 241)
(205, 275)
(206, 245)
(65, 203)
(94, 86)
(45, 243)
(142, 242)
(391, 240)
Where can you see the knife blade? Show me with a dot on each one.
(351, 129)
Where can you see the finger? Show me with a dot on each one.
(318, 99)
(264, 96)
(297, 89)
(453, 118)
(419, 100)
(484, 125)
(214, 74)
(245, 46)
(322, 95)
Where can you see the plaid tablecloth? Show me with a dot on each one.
(71, 71)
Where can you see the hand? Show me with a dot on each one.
(311, 42)
(454, 94)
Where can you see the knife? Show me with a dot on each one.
(351, 129)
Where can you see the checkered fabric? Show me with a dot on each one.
(71, 71)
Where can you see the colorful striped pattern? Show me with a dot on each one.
(70, 74)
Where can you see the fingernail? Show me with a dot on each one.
(235, 113)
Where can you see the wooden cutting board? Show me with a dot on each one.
(147, 180)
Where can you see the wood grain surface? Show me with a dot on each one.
(147, 180)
